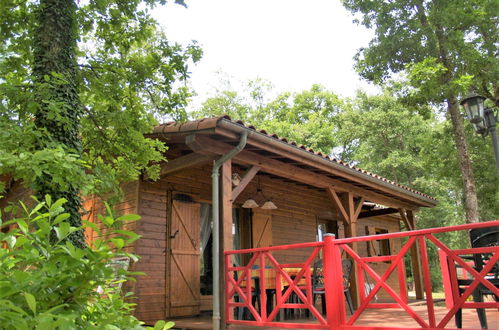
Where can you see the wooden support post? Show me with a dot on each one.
(417, 271)
(225, 228)
(345, 203)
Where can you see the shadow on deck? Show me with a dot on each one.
(396, 318)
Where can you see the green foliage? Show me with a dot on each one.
(308, 118)
(443, 49)
(59, 286)
(125, 75)
(80, 85)
(384, 136)
(449, 42)
(388, 134)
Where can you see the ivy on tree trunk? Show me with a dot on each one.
(59, 109)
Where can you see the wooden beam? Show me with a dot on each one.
(226, 242)
(350, 212)
(207, 146)
(351, 231)
(351, 207)
(339, 205)
(403, 215)
(183, 162)
(417, 270)
(375, 213)
(304, 160)
(248, 176)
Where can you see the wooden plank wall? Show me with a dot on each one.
(15, 194)
(93, 206)
(151, 288)
(294, 221)
(154, 199)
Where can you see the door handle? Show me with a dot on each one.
(174, 234)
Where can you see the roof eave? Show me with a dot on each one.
(253, 134)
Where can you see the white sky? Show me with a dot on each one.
(291, 43)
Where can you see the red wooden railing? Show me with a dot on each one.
(239, 293)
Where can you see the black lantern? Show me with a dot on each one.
(484, 120)
(473, 105)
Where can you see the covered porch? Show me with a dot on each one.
(469, 274)
(314, 194)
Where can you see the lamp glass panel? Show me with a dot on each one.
(474, 109)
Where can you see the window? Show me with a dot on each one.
(206, 246)
(383, 244)
(324, 227)
(379, 247)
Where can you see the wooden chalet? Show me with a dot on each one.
(313, 193)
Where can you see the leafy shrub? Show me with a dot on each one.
(47, 283)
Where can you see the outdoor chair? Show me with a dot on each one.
(318, 283)
(481, 237)
(294, 299)
(242, 312)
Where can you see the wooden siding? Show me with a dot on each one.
(93, 206)
(294, 221)
(151, 290)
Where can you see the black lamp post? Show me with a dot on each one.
(484, 120)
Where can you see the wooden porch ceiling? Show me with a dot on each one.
(284, 166)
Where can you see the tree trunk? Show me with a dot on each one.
(470, 198)
(59, 108)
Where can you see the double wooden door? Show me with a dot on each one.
(184, 264)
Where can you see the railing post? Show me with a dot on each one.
(228, 299)
(333, 283)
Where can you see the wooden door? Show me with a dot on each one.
(184, 259)
(261, 230)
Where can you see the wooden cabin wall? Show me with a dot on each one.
(295, 221)
(15, 194)
(151, 288)
(154, 198)
(93, 206)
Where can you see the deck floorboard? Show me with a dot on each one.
(373, 317)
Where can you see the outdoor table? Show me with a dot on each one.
(271, 283)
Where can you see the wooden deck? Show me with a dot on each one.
(374, 317)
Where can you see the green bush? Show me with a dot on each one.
(47, 283)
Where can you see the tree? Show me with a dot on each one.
(385, 136)
(80, 83)
(445, 47)
(307, 118)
